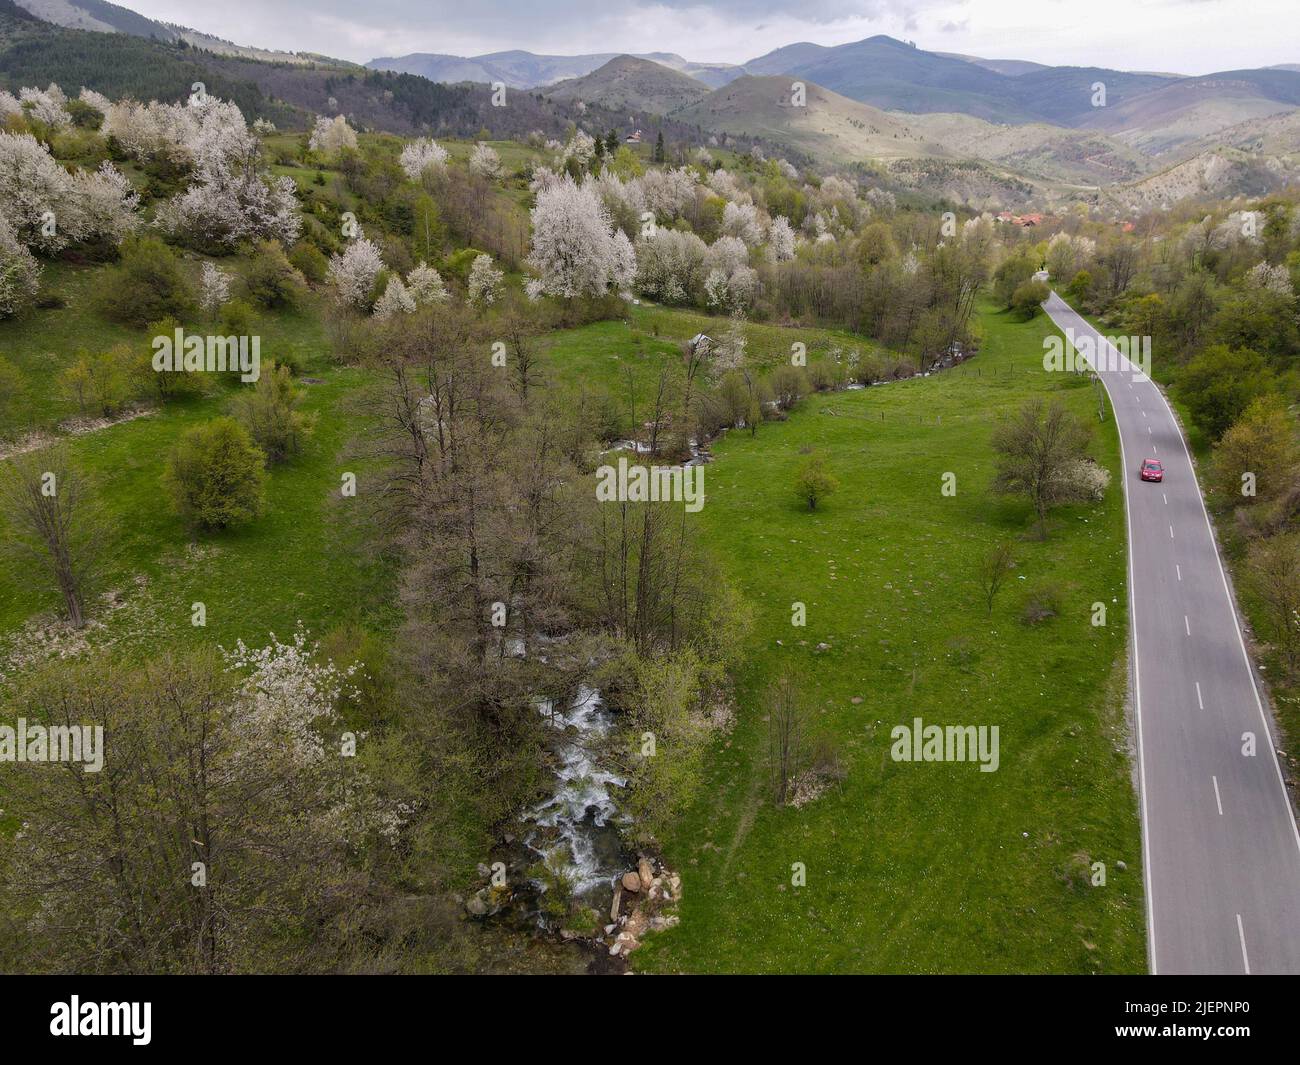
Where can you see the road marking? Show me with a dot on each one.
(1198, 696)
(1187, 625)
(1241, 935)
(1148, 430)
(1179, 570)
(1147, 871)
(1166, 495)
(1217, 801)
(1171, 532)
(1155, 450)
(1144, 413)
(1241, 640)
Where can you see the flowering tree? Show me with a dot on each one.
(397, 299)
(576, 250)
(485, 162)
(331, 135)
(425, 285)
(667, 192)
(780, 239)
(229, 205)
(47, 208)
(421, 156)
(671, 266)
(484, 285)
(20, 273)
(214, 288)
(46, 106)
(741, 220)
(353, 272)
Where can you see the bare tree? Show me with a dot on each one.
(785, 736)
(1273, 567)
(992, 572)
(1037, 449)
(52, 523)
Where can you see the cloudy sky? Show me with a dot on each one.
(1187, 36)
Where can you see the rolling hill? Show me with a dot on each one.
(830, 126)
(526, 70)
(628, 83)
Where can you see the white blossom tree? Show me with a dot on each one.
(331, 135)
(741, 220)
(421, 156)
(485, 162)
(576, 250)
(425, 285)
(780, 239)
(353, 272)
(214, 288)
(20, 273)
(47, 208)
(484, 286)
(397, 299)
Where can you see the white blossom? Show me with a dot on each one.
(485, 162)
(422, 155)
(354, 270)
(332, 134)
(425, 285)
(214, 288)
(396, 299)
(484, 285)
(576, 250)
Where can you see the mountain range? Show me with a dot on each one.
(985, 131)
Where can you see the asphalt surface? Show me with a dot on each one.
(1220, 846)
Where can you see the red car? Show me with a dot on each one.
(1152, 470)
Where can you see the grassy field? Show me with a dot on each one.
(918, 867)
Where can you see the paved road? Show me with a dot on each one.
(1220, 846)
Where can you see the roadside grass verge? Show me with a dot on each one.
(918, 867)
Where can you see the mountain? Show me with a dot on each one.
(97, 15)
(525, 70)
(829, 126)
(896, 76)
(628, 83)
(101, 17)
(1012, 68)
(1189, 109)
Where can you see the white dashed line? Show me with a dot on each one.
(1241, 935)
(1198, 696)
(1171, 532)
(1187, 625)
(1179, 570)
(1166, 496)
(1217, 801)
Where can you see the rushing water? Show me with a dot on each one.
(575, 831)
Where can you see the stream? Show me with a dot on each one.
(575, 831)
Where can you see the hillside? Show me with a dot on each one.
(1052, 153)
(830, 127)
(1220, 173)
(1169, 116)
(518, 69)
(629, 83)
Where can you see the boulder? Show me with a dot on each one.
(631, 882)
(644, 871)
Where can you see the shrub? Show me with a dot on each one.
(148, 284)
(309, 261)
(215, 475)
(814, 482)
(1028, 298)
(272, 280)
(268, 411)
